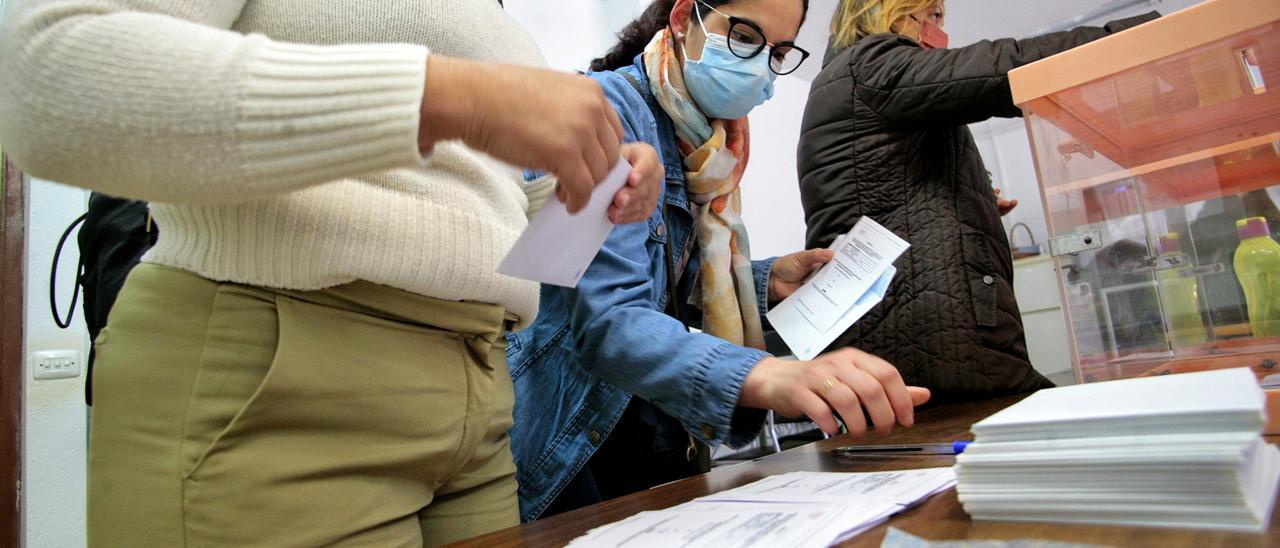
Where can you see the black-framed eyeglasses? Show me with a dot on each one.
(747, 40)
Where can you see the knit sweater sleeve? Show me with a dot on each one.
(159, 100)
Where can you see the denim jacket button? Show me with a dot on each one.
(594, 437)
(988, 280)
(708, 432)
(662, 230)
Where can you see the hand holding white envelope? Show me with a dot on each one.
(557, 247)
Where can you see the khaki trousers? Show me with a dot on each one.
(230, 415)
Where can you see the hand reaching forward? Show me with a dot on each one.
(844, 383)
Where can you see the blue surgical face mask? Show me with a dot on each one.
(724, 85)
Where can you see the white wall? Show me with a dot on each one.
(56, 429)
(573, 32)
(770, 187)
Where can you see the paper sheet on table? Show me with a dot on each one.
(558, 247)
(711, 525)
(902, 488)
(795, 509)
(841, 292)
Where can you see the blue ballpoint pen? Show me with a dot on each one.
(953, 448)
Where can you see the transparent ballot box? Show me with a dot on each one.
(1158, 155)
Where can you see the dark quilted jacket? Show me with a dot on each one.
(884, 136)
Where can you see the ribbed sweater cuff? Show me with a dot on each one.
(538, 191)
(326, 112)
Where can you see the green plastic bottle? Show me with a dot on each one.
(1257, 265)
(1180, 295)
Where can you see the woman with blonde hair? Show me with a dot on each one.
(884, 135)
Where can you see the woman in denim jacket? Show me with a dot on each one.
(683, 79)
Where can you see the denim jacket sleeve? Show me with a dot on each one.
(622, 335)
(760, 271)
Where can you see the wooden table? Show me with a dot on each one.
(939, 518)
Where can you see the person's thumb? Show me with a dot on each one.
(919, 395)
(812, 258)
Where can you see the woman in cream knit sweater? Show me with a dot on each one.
(313, 351)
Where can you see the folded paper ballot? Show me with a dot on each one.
(725, 525)
(557, 247)
(797, 509)
(902, 488)
(841, 292)
(1174, 451)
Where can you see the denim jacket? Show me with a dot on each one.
(592, 347)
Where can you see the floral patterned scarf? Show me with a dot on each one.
(715, 155)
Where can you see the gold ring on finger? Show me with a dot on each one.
(827, 385)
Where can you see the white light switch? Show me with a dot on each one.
(56, 364)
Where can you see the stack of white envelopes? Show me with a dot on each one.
(1170, 451)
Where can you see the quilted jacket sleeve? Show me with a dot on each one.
(914, 87)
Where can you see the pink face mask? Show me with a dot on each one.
(931, 35)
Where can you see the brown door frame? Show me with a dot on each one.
(13, 259)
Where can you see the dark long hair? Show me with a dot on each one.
(636, 36)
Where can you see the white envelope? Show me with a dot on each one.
(558, 247)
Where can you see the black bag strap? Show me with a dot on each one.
(53, 278)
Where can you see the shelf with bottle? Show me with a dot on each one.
(1257, 265)
(1189, 343)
